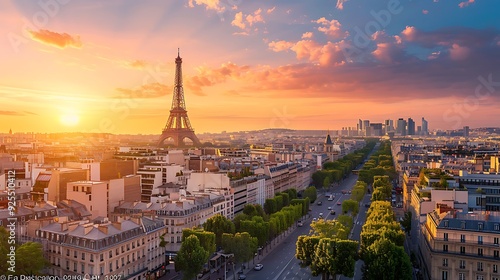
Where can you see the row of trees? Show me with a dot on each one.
(382, 245)
(382, 239)
(243, 236)
(334, 172)
(379, 164)
(327, 251)
(352, 205)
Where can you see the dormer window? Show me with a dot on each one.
(446, 223)
(480, 226)
(497, 227)
(463, 225)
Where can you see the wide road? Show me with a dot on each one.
(281, 264)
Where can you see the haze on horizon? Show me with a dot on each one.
(94, 66)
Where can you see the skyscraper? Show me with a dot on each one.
(411, 127)
(425, 129)
(389, 126)
(401, 128)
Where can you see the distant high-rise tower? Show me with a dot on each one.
(466, 131)
(425, 128)
(178, 126)
(411, 126)
(401, 128)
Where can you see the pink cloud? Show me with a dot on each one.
(307, 35)
(340, 4)
(425, 12)
(209, 77)
(331, 28)
(279, 46)
(60, 40)
(151, 90)
(271, 10)
(249, 20)
(465, 3)
(238, 20)
(209, 4)
(458, 52)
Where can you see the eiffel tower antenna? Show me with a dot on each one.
(178, 126)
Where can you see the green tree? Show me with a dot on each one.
(385, 258)
(406, 222)
(250, 210)
(350, 205)
(241, 244)
(206, 238)
(191, 257)
(311, 193)
(305, 249)
(219, 224)
(329, 229)
(326, 182)
(270, 206)
(29, 259)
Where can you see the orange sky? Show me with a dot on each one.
(109, 67)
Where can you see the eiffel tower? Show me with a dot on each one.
(178, 126)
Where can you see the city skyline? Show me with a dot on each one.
(73, 66)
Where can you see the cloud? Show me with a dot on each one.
(139, 64)
(389, 49)
(340, 4)
(307, 35)
(209, 5)
(249, 20)
(425, 12)
(465, 3)
(331, 28)
(458, 52)
(60, 40)
(270, 11)
(11, 113)
(209, 77)
(151, 90)
(279, 46)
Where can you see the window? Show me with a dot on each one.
(83, 256)
(102, 257)
(445, 236)
(462, 264)
(444, 275)
(445, 248)
(479, 266)
(463, 225)
(83, 268)
(479, 251)
(497, 227)
(461, 276)
(495, 268)
(462, 238)
(479, 239)
(480, 277)
(480, 226)
(462, 250)
(445, 262)
(495, 254)
(495, 240)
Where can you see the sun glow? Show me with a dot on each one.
(69, 119)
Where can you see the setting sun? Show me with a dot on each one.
(69, 119)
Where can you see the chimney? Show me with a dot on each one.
(103, 228)
(117, 225)
(87, 228)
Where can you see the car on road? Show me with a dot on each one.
(332, 212)
(314, 219)
(339, 203)
(258, 266)
(242, 277)
(319, 203)
(349, 192)
(329, 208)
(321, 215)
(299, 224)
(367, 205)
